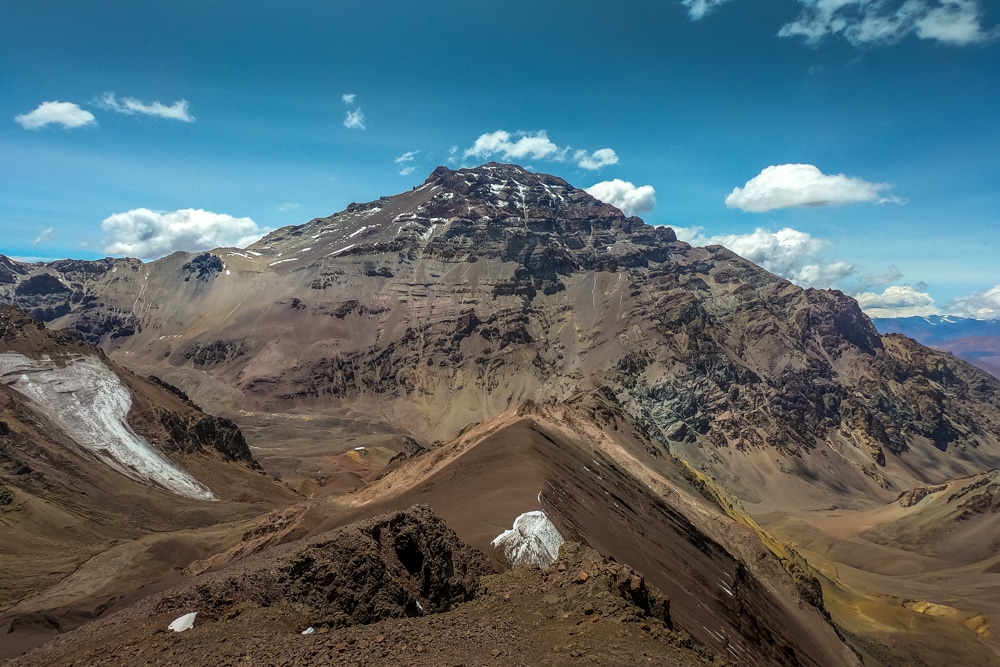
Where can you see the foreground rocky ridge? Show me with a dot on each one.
(407, 590)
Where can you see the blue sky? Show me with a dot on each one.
(841, 143)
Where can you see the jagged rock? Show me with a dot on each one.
(395, 565)
(612, 589)
(202, 267)
(216, 352)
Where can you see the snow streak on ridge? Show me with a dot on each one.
(88, 403)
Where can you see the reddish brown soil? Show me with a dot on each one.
(565, 616)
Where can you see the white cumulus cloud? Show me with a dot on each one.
(535, 145)
(129, 105)
(788, 252)
(872, 22)
(897, 301)
(978, 305)
(355, 120)
(791, 185)
(626, 196)
(602, 157)
(519, 146)
(698, 8)
(66, 114)
(150, 234)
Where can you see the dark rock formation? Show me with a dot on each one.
(193, 432)
(202, 267)
(216, 352)
(395, 565)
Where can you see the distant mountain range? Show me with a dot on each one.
(976, 341)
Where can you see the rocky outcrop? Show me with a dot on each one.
(202, 267)
(609, 589)
(396, 565)
(216, 352)
(193, 432)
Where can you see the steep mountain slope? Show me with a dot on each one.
(428, 313)
(725, 589)
(79, 475)
(976, 341)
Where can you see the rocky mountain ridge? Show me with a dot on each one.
(975, 341)
(485, 287)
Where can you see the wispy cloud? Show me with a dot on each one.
(794, 185)
(129, 105)
(897, 301)
(46, 234)
(150, 234)
(67, 114)
(788, 252)
(872, 22)
(626, 196)
(870, 280)
(697, 9)
(405, 163)
(602, 157)
(289, 206)
(355, 120)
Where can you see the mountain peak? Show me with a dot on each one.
(491, 210)
(495, 172)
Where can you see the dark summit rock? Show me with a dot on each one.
(202, 267)
(42, 284)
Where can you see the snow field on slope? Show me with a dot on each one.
(89, 404)
(534, 539)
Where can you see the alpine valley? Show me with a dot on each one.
(331, 427)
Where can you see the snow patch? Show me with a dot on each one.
(337, 252)
(534, 539)
(358, 231)
(89, 404)
(182, 623)
(282, 261)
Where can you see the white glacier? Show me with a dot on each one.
(534, 539)
(84, 399)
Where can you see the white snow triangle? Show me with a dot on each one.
(534, 539)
